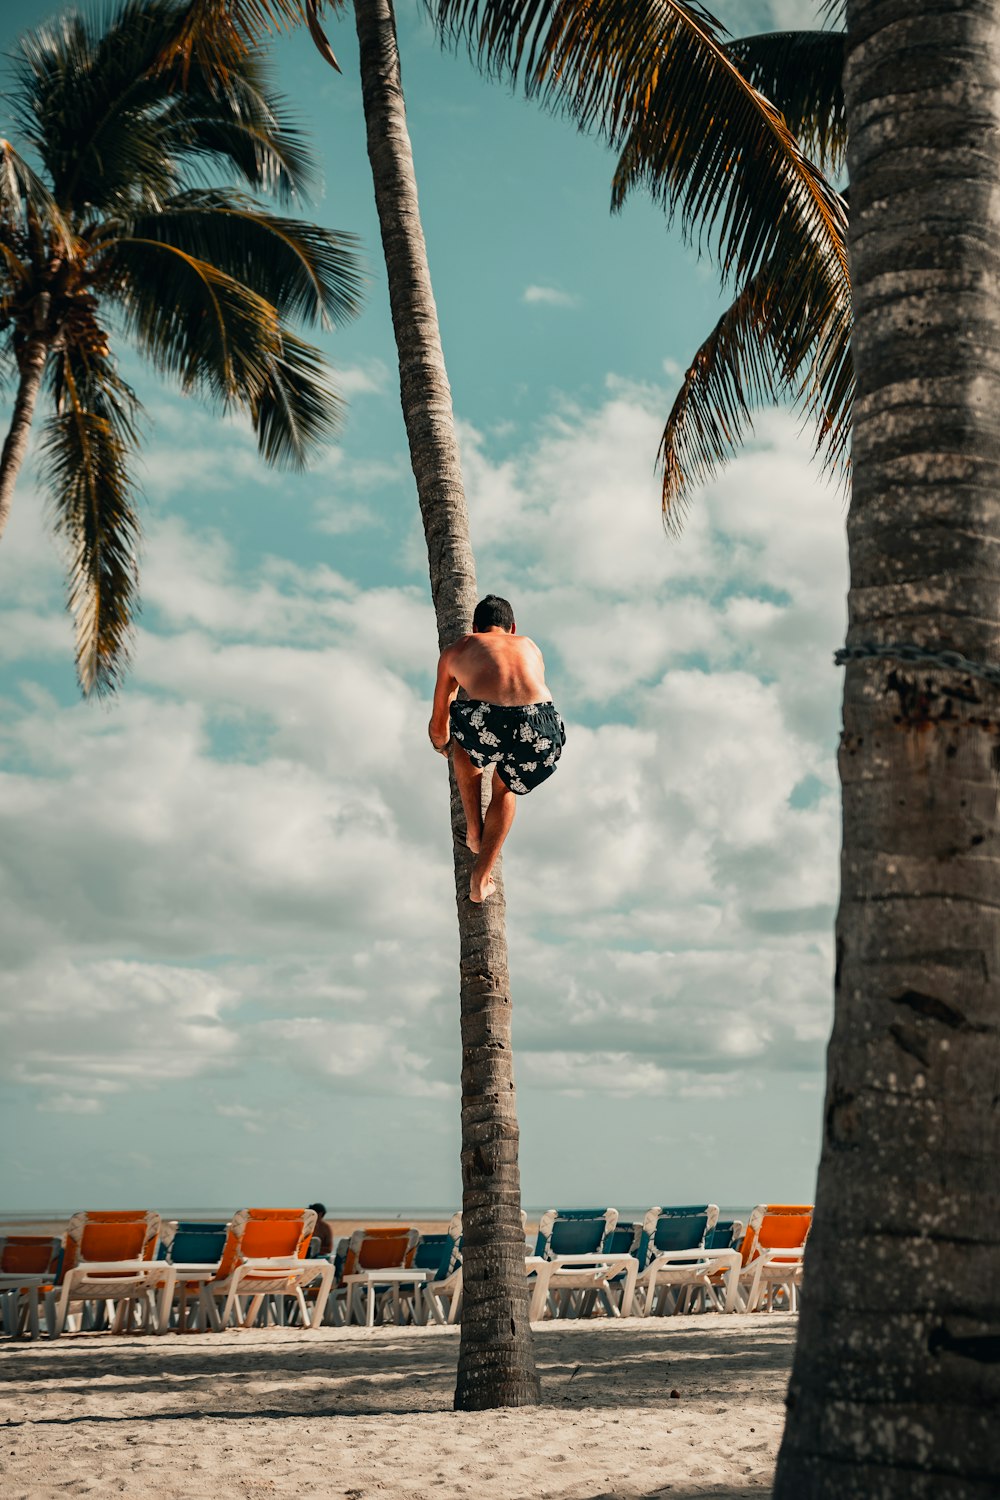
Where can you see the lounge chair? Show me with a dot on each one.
(373, 1261)
(264, 1256)
(773, 1246)
(29, 1266)
(195, 1250)
(441, 1256)
(108, 1263)
(570, 1261)
(677, 1265)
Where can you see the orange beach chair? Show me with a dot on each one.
(29, 1265)
(772, 1251)
(109, 1260)
(389, 1248)
(265, 1256)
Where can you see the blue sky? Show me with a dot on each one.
(226, 916)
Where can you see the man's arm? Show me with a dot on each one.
(445, 691)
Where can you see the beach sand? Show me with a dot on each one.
(365, 1414)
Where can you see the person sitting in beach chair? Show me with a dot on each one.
(508, 720)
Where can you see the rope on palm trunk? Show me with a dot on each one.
(951, 661)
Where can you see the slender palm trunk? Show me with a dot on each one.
(32, 368)
(496, 1362)
(896, 1385)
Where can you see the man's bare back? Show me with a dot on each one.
(496, 667)
(508, 720)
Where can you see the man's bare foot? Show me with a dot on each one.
(474, 839)
(480, 889)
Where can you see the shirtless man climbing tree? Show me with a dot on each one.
(508, 721)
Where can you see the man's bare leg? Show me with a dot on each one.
(496, 826)
(470, 786)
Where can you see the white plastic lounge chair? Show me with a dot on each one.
(571, 1264)
(29, 1265)
(194, 1249)
(676, 1263)
(773, 1247)
(265, 1257)
(441, 1256)
(108, 1261)
(376, 1263)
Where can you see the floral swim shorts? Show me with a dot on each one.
(524, 742)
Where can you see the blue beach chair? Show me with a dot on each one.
(195, 1248)
(441, 1254)
(573, 1258)
(676, 1263)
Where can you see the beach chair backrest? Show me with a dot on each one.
(194, 1244)
(440, 1253)
(30, 1255)
(776, 1226)
(622, 1239)
(574, 1231)
(727, 1235)
(676, 1228)
(380, 1248)
(103, 1234)
(262, 1233)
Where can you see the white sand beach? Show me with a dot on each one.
(365, 1414)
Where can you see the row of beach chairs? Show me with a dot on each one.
(123, 1270)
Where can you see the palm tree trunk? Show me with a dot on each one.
(496, 1361)
(896, 1382)
(32, 368)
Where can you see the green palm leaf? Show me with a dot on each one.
(85, 98)
(216, 28)
(654, 78)
(303, 270)
(801, 72)
(768, 346)
(297, 411)
(192, 320)
(241, 123)
(85, 451)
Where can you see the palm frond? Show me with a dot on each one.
(801, 73)
(86, 98)
(86, 448)
(215, 30)
(653, 77)
(297, 410)
(303, 270)
(192, 320)
(242, 124)
(24, 194)
(768, 346)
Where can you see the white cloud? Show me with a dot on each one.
(244, 863)
(549, 296)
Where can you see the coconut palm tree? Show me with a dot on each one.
(780, 206)
(734, 136)
(113, 226)
(896, 1381)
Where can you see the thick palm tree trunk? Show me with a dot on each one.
(896, 1385)
(32, 369)
(496, 1362)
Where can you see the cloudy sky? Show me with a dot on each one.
(227, 929)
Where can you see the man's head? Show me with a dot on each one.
(493, 613)
(319, 1209)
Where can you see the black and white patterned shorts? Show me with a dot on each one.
(524, 742)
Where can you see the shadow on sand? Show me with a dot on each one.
(269, 1375)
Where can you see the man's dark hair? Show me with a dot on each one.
(493, 611)
(319, 1209)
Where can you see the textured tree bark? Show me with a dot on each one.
(496, 1360)
(896, 1384)
(32, 368)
